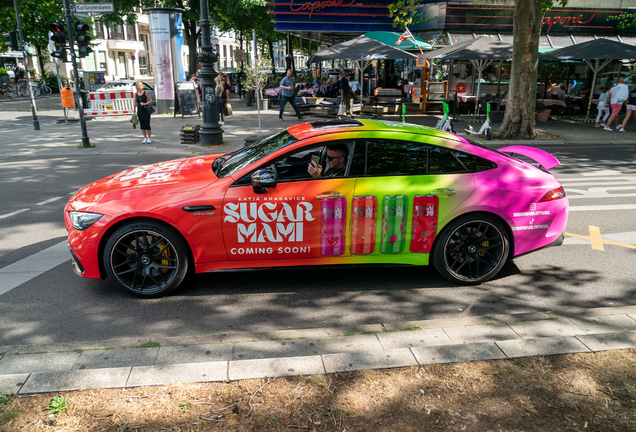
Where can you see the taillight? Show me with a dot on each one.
(553, 195)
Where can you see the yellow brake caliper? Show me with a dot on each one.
(167, 254)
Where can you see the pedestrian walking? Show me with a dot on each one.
(631, 109)
(603, 106)
(143, 111)
(287, 86)
(618, 95)
(220, 101)
(347, 95)
(193, 78)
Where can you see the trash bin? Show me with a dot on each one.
(68, 101)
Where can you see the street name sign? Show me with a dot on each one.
(94, 7)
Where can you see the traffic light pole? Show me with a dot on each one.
(36, 123)
(79, 102)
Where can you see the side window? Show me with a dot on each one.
(293, 166)
(443, 161)
(474, 163)
(392, 157)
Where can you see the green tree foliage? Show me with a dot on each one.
(625, 20)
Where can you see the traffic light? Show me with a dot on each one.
(82, 39)
(13, 44)
(59, 38)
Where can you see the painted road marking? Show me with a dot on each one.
(49, 201)
(595, 238)
(13, 213)
(33, 266)
(597, 241)
(603, 207)
(602, 173)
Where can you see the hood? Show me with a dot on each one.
(174, 176)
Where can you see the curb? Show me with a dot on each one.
(233, 356)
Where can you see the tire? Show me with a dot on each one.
(47, 90)
(146, 258)
(488, 134)
(471, 249)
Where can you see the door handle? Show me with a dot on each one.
(328, 195)
(443, 192)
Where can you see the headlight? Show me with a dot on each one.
(83, 220)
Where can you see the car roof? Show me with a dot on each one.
(308, 130)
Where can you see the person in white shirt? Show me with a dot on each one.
(618, 95)
(603, 107)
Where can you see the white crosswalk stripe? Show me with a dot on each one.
(599, 185)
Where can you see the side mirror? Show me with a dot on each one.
(263, 179)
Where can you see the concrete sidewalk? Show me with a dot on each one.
(229, 357)
(115, 135)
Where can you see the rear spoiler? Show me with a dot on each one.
(545, 159)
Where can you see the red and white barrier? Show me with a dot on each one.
(111, 103)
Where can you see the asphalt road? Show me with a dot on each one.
(58, 306)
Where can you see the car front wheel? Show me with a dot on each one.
(471, 249)
(148, 259)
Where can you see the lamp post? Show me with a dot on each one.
(211, 132)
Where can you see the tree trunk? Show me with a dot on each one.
(191, 38)
(270, 45)
(518, 121)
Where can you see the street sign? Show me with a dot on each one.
(239, 54)
(94, 7)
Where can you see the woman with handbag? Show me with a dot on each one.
(143, 109)
(220, 101)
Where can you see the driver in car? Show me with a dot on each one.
(336, 162)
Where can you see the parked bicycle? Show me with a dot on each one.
(7, 91)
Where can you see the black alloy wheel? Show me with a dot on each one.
(147, 259)
(471, 249)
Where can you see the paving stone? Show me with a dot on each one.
(605, 324)
(340, 344)
(545, 328)
(351, 361)
(12, 349)
(608, 341)
(27, 363)
(458, 353)
(76, 380)
(262, 368)
(116, 358)
(542, 346)
(481, 333)
(12, 383)
(406, 339)
(177, 373)
(260, 350)
(194, 354)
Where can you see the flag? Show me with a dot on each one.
(405, 36)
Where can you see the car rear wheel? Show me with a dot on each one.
(471, 249)
(148, 259)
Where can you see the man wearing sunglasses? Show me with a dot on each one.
(336, 162)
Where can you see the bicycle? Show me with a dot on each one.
(35, 88)
(44, 88)
(6, 91)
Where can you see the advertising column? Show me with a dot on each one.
(163, 33)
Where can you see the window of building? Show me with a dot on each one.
(99, 29)
(130, 33)
(143, 65)
(144, 39)
(116, 32)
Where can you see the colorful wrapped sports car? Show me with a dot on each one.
(322, 193)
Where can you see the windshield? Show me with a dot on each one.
(235, 161)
